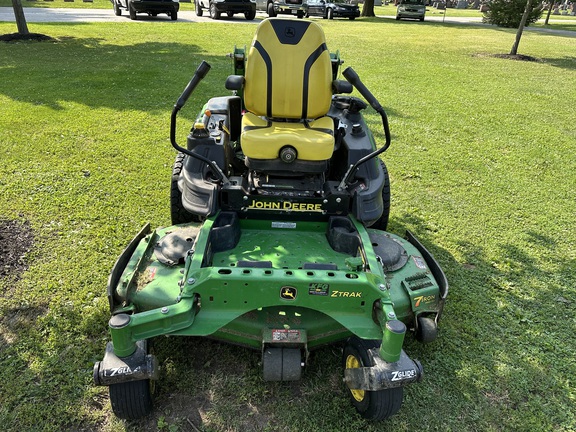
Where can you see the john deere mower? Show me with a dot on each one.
(279, 204)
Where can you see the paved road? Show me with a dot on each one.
(36, 15)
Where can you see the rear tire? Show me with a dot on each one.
(178, 213)
(270, 10)
(372, 405)
(382, 222)
(173, 15)
(250, 15)
(199, 11)
(330, 14)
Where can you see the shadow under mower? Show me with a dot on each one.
(279, 206)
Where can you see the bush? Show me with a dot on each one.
(508, 13)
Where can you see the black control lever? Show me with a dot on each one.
(353, 78)
(200, 73)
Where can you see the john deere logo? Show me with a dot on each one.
(288, 293)
(290, 32)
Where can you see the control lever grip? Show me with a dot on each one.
(196, 78)
(353, 78)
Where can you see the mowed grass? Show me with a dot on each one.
(482, 166)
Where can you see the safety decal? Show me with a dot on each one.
(420, 263)
(285, 335)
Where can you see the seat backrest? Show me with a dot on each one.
(288, 71)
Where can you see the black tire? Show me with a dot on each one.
(270, 10)
(427, 330)
(330, 14)
(351, 18)
(178, 213)
(131, 11)
(422, 19)
(382, 222)
(131, 400)
(173, 15)
(230, 14)
(372, 405)
(116, 7)
(214, 13)
(300, 14)
(250, 15)
(397, 18)
(199, 10)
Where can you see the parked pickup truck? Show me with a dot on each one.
(150, 7)
(230, 7)
(276, 7)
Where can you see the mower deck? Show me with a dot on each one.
(271, 273)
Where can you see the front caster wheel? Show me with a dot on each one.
(131, 400)
(372, 405)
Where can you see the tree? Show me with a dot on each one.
(368, 9)
(508, 13)
(20, 18)
(525, 15)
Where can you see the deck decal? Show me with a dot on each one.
(321, 289)
(288, 293)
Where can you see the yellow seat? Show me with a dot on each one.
(287, 93)
(313, 140)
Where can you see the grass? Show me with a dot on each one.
(482, 167)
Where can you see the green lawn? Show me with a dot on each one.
(482, 167)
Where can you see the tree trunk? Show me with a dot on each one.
(368, 9)
(20, 18)
(527, 11)
(550, 6)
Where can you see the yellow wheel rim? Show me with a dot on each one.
(351, 363)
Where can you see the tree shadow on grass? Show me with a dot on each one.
(564, 63)
(142, 76)
(502, 336)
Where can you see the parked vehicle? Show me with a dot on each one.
(150, 7)
(229, 7)
(277, 7)
(415, 9)
(332, 9)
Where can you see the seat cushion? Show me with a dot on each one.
(288, 70)
(263, 139)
